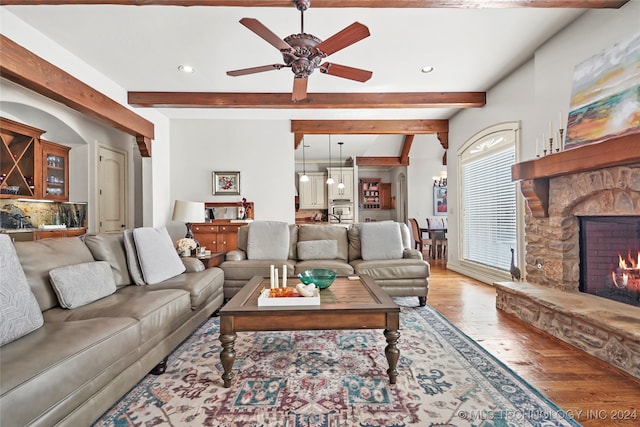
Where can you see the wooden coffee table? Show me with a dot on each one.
(346, 304)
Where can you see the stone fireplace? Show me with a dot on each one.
(596, 181)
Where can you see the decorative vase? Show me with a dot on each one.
(185, 253)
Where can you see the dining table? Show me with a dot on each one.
(433, 232)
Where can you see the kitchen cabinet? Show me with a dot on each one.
(218, 235)
(347, 178)
(313, 193)
(20, 160)
(374, 194)
(385, 195)
(55, 171)
(31, 167)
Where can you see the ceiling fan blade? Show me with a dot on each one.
(345, 72)
(254, 70)
(258, 28)
(353, 33)
(299, 88)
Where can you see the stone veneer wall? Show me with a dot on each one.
(551, 300)
(553, 242)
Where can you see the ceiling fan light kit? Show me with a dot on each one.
(303, 52)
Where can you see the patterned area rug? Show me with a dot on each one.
(337, 378)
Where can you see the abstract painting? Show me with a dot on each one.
(605, 98)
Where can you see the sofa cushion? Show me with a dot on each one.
(38, 257)
(19, 310)
(79, 284)
(132, 258)
(268, 240)
(246, 269)
(309, 232)
(61, 365)
(158, 259)
(159, 312)
(318, 249)
(201, 285)
(342, 268)
(109, 247)
(381, 240)
(392, 269)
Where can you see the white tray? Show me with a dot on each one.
(265, 301)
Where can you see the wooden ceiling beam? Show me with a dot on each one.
(460, 4)
(368, 127)
(406, 147)
(380, 161)
(313, 100)
(23, 67)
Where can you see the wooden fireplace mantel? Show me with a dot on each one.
(534, 174)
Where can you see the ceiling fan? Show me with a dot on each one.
(303, 52)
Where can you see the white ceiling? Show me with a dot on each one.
(141, 47)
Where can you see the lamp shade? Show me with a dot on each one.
(184, 211)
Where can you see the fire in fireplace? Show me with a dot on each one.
(610, 257)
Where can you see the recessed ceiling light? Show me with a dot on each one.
(187, 69)
(426, 69)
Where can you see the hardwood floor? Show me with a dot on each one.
(591, 391)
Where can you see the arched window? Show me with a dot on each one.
(488, 214)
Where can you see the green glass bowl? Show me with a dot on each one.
(321, 277)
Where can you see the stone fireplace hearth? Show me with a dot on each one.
(597, 180)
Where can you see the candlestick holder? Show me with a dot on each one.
(551, 145)
(560, 141)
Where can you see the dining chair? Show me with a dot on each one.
(441, 236)
(418, 242)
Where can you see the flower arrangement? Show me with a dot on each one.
(243, 210)
(185, 244)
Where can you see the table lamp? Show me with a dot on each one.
(188, 212)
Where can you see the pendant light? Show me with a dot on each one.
(304, 177)
(341, 183)
(330, 180)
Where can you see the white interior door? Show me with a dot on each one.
(112, 189)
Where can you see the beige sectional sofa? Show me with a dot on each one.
(67, 366)
(381, 250)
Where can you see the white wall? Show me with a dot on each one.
(261, 150)
(425, 161)
(535, 94)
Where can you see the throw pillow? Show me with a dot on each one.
(268, 240)
(380, 240)
(80, 284)
(158, 259)
(318, 249)
(19, 311)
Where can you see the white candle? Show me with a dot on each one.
(284, 275)
(537, 147)
(271, 282)
(560, 123)
(275, 276)
(550, 129)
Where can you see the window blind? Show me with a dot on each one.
(489, 207)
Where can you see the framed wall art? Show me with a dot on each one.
(440, 200)
(605, 95)
(226, 183)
